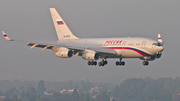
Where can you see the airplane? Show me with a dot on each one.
(92, 49)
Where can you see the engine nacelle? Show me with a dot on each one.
(64, 53)
(90, 56)
(158, 55)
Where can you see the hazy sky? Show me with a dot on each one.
(31, 19)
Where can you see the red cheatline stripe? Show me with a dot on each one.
(131, 49)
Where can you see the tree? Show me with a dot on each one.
(32, 91)
(176, 96)
(85, 97)
(23, 95)
(27, 94)
(75, 95)
(32, 98)
(41, 88)
(7, 95)
(102, 88)
(103, 96)
(44, 99)
(115, 92)
(113, 99)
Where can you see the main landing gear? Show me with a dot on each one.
(94, 63)
(145, 63)
(91, 63)
(120, 63)
(102, 63)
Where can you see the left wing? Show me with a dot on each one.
(54, 46)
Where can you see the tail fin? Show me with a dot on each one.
(62, 30)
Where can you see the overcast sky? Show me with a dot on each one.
(31, 19)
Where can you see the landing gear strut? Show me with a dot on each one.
(120, 63)
(102, 63)
(145, 63)
(91, 63)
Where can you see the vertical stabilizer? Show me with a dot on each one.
(62, 30)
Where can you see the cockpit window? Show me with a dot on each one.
(157, 44)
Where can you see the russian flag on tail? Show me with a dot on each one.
(60, 22)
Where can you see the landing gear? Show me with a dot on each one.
(145, 63)
(91, 63)
(102, 63)
(94, 63)
(120, 63)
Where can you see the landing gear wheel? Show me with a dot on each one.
(117, 63)
(99, 63)
(105, 62)
(145, 63)
(89, 63)
(122, 63)
(92, 63)
(95, 63)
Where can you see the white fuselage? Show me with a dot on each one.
(134, 47)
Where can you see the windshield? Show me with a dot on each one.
(157, 44)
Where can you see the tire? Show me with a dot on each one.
(99, 63)
(123, 63)
(92, 63)
(117, 63)
(147, 63)
(89, 63)
(95, 63)
(105, 62)
(144, 63)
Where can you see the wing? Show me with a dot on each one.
(54, 46)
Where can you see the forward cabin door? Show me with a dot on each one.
(123, 45)
(143, 44)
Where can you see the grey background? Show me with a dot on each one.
(31, 19)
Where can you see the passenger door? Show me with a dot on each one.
(143, 44)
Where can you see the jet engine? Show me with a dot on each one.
(64, 53)
(90, 56)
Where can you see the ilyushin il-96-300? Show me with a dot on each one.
(92, 49)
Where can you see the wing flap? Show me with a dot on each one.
(40, 46)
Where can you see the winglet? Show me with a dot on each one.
(159, 38)
(6, 37)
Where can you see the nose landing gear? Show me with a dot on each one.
(145, 63)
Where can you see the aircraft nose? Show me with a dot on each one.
(161, 48)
